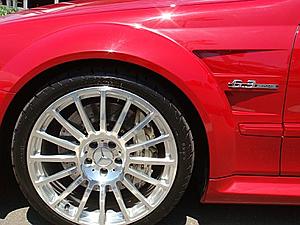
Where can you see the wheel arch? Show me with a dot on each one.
(23, 96)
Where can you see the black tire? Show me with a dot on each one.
(41, 101)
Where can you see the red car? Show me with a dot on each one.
(107, 107)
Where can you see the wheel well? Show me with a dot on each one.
(174, 94)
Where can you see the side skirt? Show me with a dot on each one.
(253, 190)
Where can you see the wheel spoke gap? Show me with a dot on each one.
(147, 144)
(121, 203)
(84, 200)
(131, 133)
(69, 127)
(136, 192)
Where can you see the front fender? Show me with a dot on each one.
(142, 47)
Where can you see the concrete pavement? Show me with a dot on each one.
(14, 210)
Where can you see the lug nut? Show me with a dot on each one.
(112, 144)
(118, 161)
(103, 171)
(93, 144)
(88, 161)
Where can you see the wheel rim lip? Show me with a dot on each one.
(114, 93)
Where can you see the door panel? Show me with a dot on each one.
(291, 157)
(290, 163)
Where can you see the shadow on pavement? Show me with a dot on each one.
(189, 211)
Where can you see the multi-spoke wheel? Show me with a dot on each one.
(102, 150)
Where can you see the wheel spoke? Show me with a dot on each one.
(122, 117)
(103, 111)
(144, 177)
(57, 176)
(130, 134)
(85, 119)
(69, 127)
(102, 196)
(121, 203)
(57, 141)
(68, 190)
(147, 144)
(136, 192)
(151, 161)
(84, 200)
(54, 158)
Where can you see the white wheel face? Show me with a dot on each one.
(102, 155)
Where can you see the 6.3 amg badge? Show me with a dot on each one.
(251, 84)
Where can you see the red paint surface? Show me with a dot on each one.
(292, 106)
(268, 130)
(254, 190)
(290, 163)
(198, 45)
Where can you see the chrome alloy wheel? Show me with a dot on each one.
(101, 168)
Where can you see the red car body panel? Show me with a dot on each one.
(254, 190)
(290, 155)
(200, 46)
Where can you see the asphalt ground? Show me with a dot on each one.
(14, 210)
